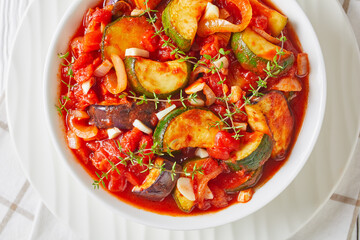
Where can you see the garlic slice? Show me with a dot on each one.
(160, 115)
(142, 127)
(185, 187)
(136, 52)
(113, 132)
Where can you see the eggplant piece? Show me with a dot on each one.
(272, 115)
(158, 184)
(122, 116)
(120, 8)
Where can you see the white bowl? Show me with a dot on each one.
(272, 188)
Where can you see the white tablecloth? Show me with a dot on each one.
(23, 216)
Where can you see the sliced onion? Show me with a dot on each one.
(302, 65)
(201, 153)
(160, 115)
(223, 62)
(240, 126)
(194, 74)
(223, 13)
(142, 127)
(73, 141)
(197, 86)
(210, 95)
(197, 102)
(81, 130)
(203, 183)
(113, 132)
(79, 114)
(116, 87)
(208, 27)
(208, 193)
(245, 195)
(266, 35)
(136, 12)
(211, 12)
(288, 84)
(137, 52)
(236, 94)
(185, 187)
(86, 86)
(103, 68)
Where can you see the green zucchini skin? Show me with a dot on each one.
(135, 77)
(250, 61)
(255, 159)
(125, 32)
(253, 179)
(160, 130)
(183, 43)
(182, 202)
(186, 127)
(245, 56)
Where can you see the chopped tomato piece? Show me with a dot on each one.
(82, 61)
(260, 22)
(117, 182)
(102, 15)
(240, 117)
(149, 41)
(136, 174)
(146, 143)
(92, 41)
(163, 53)
(131, 139)
(213, 81)
(105, 151)
(77, 46)
(84, 74)
(224, 145)
(81, 100)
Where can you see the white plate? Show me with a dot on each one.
(278, 220)
(272, 188)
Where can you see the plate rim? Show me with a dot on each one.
(16, 147)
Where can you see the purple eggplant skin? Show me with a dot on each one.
(122, 116)
(157, 184)
(120, 7)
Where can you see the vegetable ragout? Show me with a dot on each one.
(184, 106)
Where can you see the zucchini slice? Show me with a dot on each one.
(180, 20)
(276, 21)
(253, 154)
(233, 182)
(163, 78)
(182, 202)
(158, 184)
(124, 33)
(186, 127)
(254, 52)
(275, 111)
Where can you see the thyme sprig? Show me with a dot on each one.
(138, 158)
(64, 99)
(144, 99)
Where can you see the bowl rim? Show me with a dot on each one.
(153, 219)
